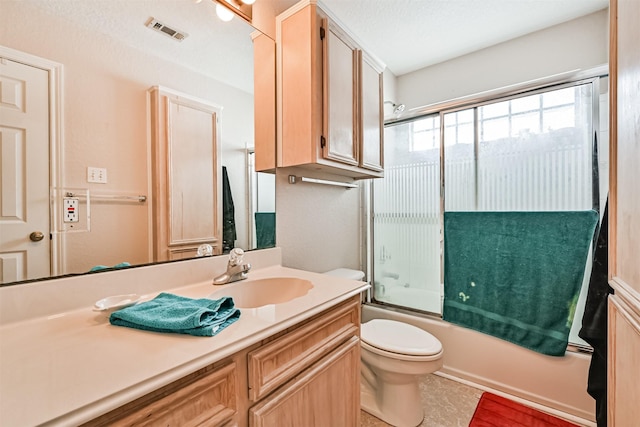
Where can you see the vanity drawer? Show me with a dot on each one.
(205, 398)
(278, 361)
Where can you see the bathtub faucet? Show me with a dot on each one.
(236, 270)
(391, 275)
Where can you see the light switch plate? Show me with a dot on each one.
(97, 175)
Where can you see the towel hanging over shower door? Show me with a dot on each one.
(516, 275)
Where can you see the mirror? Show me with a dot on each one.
(109, 59)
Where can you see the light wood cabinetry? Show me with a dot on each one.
(317, 397)
(372, 115)
(340, 91)
(623, 388)
(329, 97)
(307, 375)
(208, 397)
(277, 362)
(185, 163)
(624, 364)
(264, 89)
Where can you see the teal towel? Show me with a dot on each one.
(265, 229)
(516, 275)
(173, 313)
(104, 267)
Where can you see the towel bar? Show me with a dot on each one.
(294, 179)
(140, 198)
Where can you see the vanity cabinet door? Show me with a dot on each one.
(327, 394)
(280, 360)
(206, 398)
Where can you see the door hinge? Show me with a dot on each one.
(321, 33)
(323, 141)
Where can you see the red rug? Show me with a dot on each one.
(496, 411)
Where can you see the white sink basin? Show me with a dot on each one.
(259, 292)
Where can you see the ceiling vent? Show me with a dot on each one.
(154, 24)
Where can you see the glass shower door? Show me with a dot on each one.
(527, 152)
(406, 218)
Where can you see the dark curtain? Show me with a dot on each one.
(228, 215)
(594, 321)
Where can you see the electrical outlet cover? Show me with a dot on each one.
(70, 213)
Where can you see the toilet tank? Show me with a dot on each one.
(346, 273)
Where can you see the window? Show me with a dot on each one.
(529, 151)
(426, 134)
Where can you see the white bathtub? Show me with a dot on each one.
(418, 298)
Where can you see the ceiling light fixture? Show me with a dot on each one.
(224, 13)
(225, 9)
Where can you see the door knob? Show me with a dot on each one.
(36, 236)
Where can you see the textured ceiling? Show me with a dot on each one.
(404, 34)
(411, 34)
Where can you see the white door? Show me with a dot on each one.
(24, 172)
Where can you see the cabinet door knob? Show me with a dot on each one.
(36, 236)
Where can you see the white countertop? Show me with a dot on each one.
(69, 368)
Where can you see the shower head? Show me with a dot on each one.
(397, 108)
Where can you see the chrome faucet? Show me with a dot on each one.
(236, 270)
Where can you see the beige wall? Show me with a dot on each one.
(317, 226)
(105, 125)
(578, 44)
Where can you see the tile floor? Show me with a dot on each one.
(447, 403)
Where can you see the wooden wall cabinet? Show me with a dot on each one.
(264, 105)
(623, 386)
(330, 103)
(307, 375)
(186, 172)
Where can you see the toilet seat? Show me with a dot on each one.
(399, 340)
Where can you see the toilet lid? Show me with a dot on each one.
(398, 337)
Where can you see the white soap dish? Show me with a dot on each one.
(116, 302)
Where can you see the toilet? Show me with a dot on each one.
(394, 357)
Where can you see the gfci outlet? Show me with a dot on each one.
(70, 213)
(97, 175)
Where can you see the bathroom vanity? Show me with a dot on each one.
(283, 378)
(295, 362)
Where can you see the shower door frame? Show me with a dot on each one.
(591, 76)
